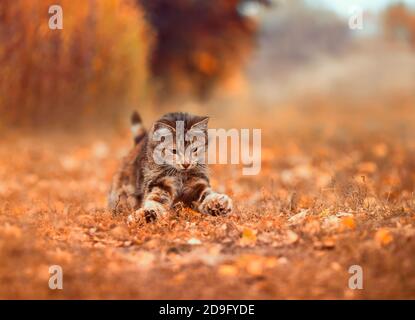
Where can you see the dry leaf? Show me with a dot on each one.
(248, 237)
(255, 265)
(331, 223)
(312, 227)
(325, 213)
(299, 217)
(367, 167)
(383, 237)
(85, 220)
(120, 233)
(349, 222)
(142, 259)
(327, 243)
(291, 237)
(11, 231)
(228, 270)
(380, 150)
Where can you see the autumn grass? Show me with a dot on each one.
(335, 190)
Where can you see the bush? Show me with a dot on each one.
(199, 43)
(92, 69)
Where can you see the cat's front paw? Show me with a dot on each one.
(151, 211)
(216, 204)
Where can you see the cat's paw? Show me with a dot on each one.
(216, 204)
(151, 211)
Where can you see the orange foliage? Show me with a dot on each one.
(400, 23)
(95, 65)
(200, 44)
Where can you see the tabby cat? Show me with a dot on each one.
(151, 187)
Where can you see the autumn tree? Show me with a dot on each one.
(90, 70)
(198, 43)
(399, 23)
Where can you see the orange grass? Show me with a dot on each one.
(335, 190)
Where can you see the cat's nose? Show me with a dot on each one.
(186, 165)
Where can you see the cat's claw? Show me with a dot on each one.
(216, 204)
(150, 212)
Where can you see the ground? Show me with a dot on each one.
(329, 196)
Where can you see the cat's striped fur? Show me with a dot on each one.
(151, 189)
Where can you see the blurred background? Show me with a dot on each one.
(336, 107)
(113, 56)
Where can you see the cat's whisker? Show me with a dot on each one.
(157, 187)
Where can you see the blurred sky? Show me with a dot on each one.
(342, 7)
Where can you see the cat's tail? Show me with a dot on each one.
(137, 128)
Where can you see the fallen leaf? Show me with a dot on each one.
(291, 237)
(331, 223)
(328, 243)
(255, 265)
(248, 237)
(100, 150)
(380, 150)
(348, 222)
(188, 211)
(325, 213)
(70, 163)
(335, 266)
(312, 227)
(11, 231)
(120, 233)
(61, 256)
(367, 167)
(127, 243)
(344, 214)
(179, 278)
(383, 237)
(299, 217)
(228, 270)
(85, 220)
(142, 259)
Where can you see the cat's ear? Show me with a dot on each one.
(201, 123)
(163, 125)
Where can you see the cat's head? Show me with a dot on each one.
(179, 140)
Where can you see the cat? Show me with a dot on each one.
(151, 185)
